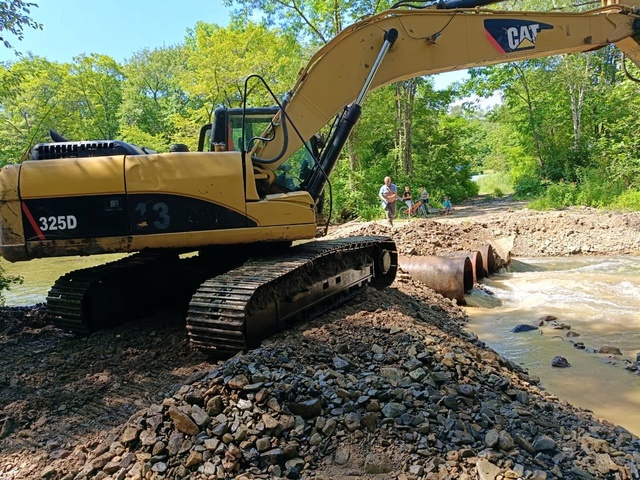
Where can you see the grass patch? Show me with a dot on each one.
(495, 184)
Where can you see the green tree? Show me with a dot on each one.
(446, 153)
(220, 59)
(14, 18)
(513, 79)
(615, 150)
(154, 106)
(405, 98)
(314, 21)
(93, 95)
(30, 104)
(373, 135)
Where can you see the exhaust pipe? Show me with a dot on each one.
(451, 277)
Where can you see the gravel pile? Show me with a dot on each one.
(523, 232)
(389, 387)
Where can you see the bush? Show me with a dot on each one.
(540, 203)
(597, 189)
(562, 194)
(6, 282)
(528, 186)
(557, 196)
(629, 201)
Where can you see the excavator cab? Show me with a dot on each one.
(292, 175)
(237, 129)
(226, 131)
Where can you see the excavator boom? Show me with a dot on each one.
(434, 41)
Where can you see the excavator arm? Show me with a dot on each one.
(429, 41)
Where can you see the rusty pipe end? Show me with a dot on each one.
(488, 259)
(451, 277)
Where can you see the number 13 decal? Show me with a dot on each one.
(162, 211)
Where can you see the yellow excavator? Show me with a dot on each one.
(212, 229)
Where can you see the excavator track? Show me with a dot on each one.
(237, 301)
(86, 300)
(236, 310)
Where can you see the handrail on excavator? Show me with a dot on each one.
(444, 4)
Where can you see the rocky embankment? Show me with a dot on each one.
(512, 230)
(390, 386)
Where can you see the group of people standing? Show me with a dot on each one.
(389, 194)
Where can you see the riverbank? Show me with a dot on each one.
(389, 386)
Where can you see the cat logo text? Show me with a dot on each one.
(513, 35)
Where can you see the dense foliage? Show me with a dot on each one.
(565, 128)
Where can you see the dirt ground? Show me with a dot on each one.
(61, 396)
(512, 229)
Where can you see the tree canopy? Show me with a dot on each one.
(14, 18)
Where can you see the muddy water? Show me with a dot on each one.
(39, 275)
(599, 298)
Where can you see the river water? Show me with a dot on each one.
(40, 274)
(598, 297)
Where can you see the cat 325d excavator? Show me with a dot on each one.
(254, 184)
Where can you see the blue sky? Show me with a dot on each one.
(120, 28)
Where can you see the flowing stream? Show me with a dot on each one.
(598, 298)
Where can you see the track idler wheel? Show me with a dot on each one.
(386, 265)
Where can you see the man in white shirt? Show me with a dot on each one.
(388, 194)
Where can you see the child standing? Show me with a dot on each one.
(406, 197)
(424, 197)
(447, 206)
